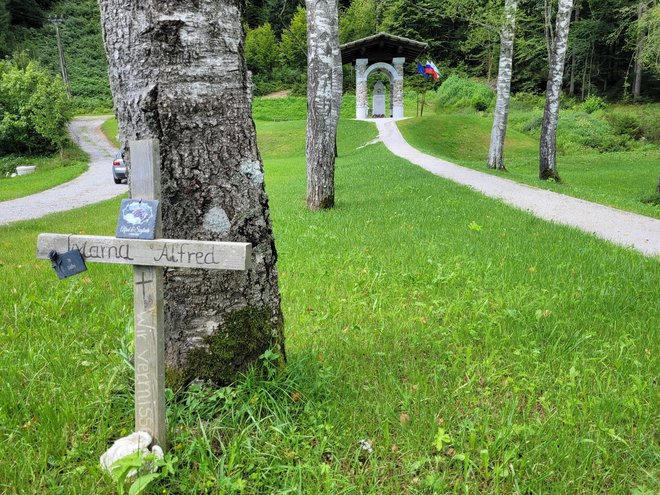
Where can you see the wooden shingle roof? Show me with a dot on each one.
(381, 47)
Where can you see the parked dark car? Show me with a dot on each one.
(119, 168)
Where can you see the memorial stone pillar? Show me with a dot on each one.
(361, 90)
(397, 88)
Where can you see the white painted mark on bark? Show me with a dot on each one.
(216, 220)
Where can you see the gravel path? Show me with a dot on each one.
(620, 227)
(92, 186)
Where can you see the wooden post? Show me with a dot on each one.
(148, 304)
(149, 257)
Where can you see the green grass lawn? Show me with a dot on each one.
(51, 171)
(620, 179)
(475, 348)
(111, 130)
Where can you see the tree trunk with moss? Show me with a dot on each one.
(178, 74)
(324, 91)
(548, 151)
(498, 132)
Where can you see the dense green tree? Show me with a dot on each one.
(5, 18)
(293, 47)
(34, 109)
(358, 21)
(261, 49)
(650, 23)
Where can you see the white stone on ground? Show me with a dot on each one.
(125, 446)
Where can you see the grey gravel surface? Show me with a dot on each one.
(620, 227)
(92, 186)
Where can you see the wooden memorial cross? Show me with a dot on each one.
(148, 258)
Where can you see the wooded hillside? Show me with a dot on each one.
(610, 39)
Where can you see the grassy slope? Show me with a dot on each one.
(620, 179)
(111, 130)
(51, 171)
(533, 346)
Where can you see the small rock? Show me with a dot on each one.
(125, 446)
(366, 445)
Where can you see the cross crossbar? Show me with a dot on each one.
(158, 252)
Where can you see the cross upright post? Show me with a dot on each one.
(149, 257)
(149, 358)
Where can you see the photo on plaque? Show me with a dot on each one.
(137, 219)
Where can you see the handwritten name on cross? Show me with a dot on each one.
(148, 258)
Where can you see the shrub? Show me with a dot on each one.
(586, 131)
(592, 104)
(626, 124)
(527, 101)
(458, 93)
(7, 166)
(533, 124)
(261, 49)
(35, 109)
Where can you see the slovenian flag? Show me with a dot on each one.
(430, 70)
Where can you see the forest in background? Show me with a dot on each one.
(463, 38)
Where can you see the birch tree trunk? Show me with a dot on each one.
(324, 91)
(548, 152)
(178, 74)
(498, 133)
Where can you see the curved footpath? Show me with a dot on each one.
(92, 186)
(620, 227)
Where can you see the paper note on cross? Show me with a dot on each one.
(148, 258)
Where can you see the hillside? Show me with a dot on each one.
(83, 49)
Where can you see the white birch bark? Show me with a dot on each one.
(548, 147)
(498, 133)
(178, 74)
(324, 91)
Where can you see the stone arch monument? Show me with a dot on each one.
(383, 53)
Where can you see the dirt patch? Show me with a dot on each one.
(279, 94)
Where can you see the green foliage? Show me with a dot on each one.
(293, 47)
(644, 117)
(5, 18)
(593, 103)
(140, 470)
(358, 21)
(83, 51)
(35, 109)
(261, 50)
(459, 93)
(626, 124)
(650, 25)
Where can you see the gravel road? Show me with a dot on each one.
(92, 186)
(620, 227)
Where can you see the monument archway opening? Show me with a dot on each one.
(383, 53)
